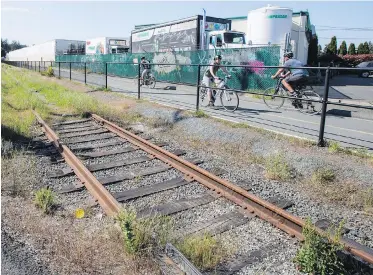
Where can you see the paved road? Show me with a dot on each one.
(349, 131)
(353, 87)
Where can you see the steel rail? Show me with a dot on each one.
(97, 190)
(249, 202)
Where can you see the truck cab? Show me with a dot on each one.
(226, 39)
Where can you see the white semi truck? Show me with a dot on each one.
(190, 34)
(107, 45)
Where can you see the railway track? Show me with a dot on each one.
(90, 148)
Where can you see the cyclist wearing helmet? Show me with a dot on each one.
(145, 66)
(294, 76)
(210, 75)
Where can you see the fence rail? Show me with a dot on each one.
(259, 74)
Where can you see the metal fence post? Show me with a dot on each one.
(321, 142)
(138, 81)
(70, 70)
(106, 75)
(35, 66)
(59, 69)
(85, 72)
(198, 82)
(39, 66)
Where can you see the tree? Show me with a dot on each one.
(370, 45)
(360, 49)
(8, 47)
(312, 51)
(366, 47)
(5, 48)
(332, 47)
(319, 50)
(343, 48)
(351, 49)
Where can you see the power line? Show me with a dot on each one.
(356, 30)
(350, 38)
(323, 26)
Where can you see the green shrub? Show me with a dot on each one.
(143, 235)
(49, 72)
(45, 199)
(318, 254)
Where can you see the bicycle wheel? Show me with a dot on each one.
(308, 107)
(271, 101)
(203, 100)
(151, 82)
(229, 99)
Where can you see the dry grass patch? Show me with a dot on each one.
(18, 173)
(73, 246)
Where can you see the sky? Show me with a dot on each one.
(33, 22)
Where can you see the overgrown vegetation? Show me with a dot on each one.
(335, 147)
(240, 125)
(142, 236)
(322, 176)
(18, 171)
(200, 114)
(160, 122)
(277, 168)
(45, 199)
(49, 72)
(318, 254)
(22, 92)
(203, 250)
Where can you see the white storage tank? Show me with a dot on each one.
(269, 25)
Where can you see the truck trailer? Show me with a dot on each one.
(107, 45)
(47, 51)
(189, 34)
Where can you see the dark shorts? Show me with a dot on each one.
(295, 78)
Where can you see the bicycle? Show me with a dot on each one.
(149, 81)
(228, 98)
(299, 102)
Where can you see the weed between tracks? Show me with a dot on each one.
(204, 250)
(143, 236)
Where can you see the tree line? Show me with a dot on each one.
(7, 46)
(331, 48)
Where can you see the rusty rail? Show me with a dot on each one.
(249, 202)
(97, 190)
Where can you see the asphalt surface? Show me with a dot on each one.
(348, 131)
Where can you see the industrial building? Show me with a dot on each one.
(47, 51)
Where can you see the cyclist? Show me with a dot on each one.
(291, 78)
(145, 66)
(210, 75)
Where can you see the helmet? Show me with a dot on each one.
(217, 57)
(289, 54)
(142, 57)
